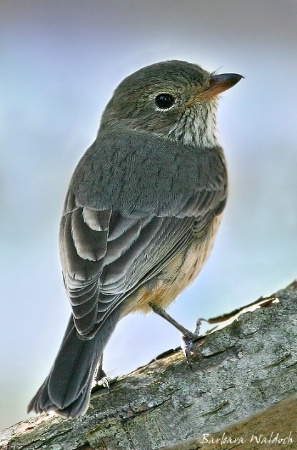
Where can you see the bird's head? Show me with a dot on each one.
(173, 99)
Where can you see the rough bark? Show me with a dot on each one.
(240, 393)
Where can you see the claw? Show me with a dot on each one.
(187, 345)
(101, 379)
(198, 326)
(188, 340)
(104, 381)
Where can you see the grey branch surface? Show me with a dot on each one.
(243, 383)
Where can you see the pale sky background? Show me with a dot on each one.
(60, 62)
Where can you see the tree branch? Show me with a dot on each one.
(243, 384)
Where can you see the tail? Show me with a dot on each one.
(67, 388)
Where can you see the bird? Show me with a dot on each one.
(140, 216)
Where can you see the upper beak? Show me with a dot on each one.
(217, 85)
(220, 83)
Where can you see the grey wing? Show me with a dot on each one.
(106, 256)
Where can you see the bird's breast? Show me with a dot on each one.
(179, 273)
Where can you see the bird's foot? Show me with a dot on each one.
(101, 379)
(104, 382)
(188, 336)
(188, 340)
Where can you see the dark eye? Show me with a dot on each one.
(164, 101)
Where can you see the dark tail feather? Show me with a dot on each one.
(67, 388)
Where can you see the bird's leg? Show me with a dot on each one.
(101, 379)
(188, 336)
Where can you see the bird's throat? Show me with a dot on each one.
(197, 126)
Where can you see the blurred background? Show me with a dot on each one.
(60, 62)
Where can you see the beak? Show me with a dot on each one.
(217, 85)
(220, 83)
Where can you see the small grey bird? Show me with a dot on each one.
(140, 216)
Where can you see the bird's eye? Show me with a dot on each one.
(164, 101)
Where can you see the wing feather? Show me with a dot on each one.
(96, 286)
(115, 238)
